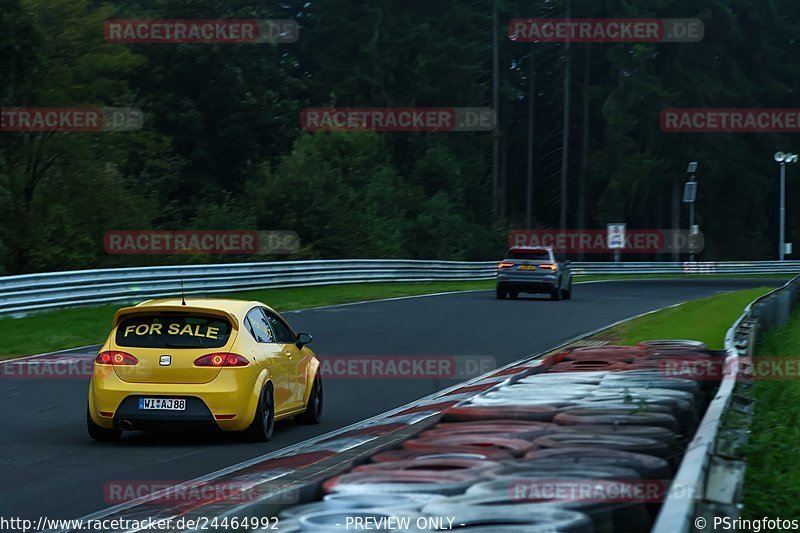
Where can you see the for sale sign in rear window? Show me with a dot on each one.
(173, 331)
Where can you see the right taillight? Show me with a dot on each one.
(113, 357)
(549, 267)
(221, 359)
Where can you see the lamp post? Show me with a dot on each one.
(782, 159)
(690, 197)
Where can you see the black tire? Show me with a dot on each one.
(513, 295)
(313, 413)
(101, 434)
(555, 294)
(567, 294)
(264, 422)
(501, 294)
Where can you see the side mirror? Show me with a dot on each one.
(303, 339)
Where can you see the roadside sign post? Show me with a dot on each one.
(616, 239)
(783, 158)
(690, 197)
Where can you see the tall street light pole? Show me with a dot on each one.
(690, 197)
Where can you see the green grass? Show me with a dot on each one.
(68, 328)
(704, 320)
(772, 481)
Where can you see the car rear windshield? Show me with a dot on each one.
(178, 330)
(537, 255)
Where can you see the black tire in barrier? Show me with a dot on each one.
(648, 466)
(612, 442)
(514, 446)
(624, 417)
(539, 413)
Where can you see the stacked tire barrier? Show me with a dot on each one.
(586, 442)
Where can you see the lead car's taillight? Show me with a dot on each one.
(221, 359)
(116, 358)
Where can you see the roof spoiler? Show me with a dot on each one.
(125, 312)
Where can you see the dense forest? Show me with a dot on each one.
(222, 145)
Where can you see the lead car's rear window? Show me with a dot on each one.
(173, 331)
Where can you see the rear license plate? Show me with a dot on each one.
(527, 267)
(162, 404)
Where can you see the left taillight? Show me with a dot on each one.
(504, 265)
(221, 359)
(116, 358)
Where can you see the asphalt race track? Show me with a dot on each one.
(50, 466)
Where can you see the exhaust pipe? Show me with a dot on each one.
(125, 425)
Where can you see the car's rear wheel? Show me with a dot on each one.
(313, 413)
(101, 434)
(513, 295)
(264, 422)
(501, 294)
(567, 293)
(555, 294)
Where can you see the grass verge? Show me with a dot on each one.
(772, 481)
(68, 328)
(706, 320)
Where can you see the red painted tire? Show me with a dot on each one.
(673, 343)
(478, 424)
(516, 447)
(592, 365)
(624, 354)
(476, 467)
(498, 429)
(453, 452)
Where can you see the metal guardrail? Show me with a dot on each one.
(711, 474)
(38, 292)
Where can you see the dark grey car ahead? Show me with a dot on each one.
(536, 271)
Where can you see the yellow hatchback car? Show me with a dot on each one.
(202, 363)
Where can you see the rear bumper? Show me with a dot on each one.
(542, 283)
(197, 416)
(230, 394)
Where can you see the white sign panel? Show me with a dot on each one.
(616, 236)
